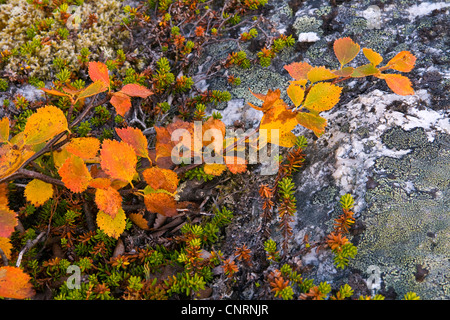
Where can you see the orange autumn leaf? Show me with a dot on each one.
(4, 195)
(160, 202)
(345, 50)
(136, 90)
(135, 138)
(8, 221)
(15, 284)
(6, 246)
(403, 61)
(235, 164)
(139, 220)
(121, 102)
(313, 122)
(85, 148)
(100, 183)
(4, 130)
(99, 72)
(158, 178)
(213, 134)
(322, 96)
(118, 160)
(374, 57)
(38, 192)
(215, 169)
(399, 84)
(108, 200)
(55, 92)
(320, 74)
(112, 226)
(43, 125)
(163, 148)
(75, 174)
(298, 70)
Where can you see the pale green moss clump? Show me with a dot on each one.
(35, 50)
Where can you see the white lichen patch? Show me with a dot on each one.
(425, 8)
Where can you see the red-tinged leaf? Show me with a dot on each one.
(118, 160)
(4, 130)
(399, 84)
(158, 178)
(365, 70)
(162, 203)
(345, 50)
(320, 74)
(298, 70)
(75, 174)
(403, 61)
(44, 124)
(344, 72)
(136, 90)
(99, 72)
(15, 284)
(85, 148)
(108, 200)
(55, 92)
(121, 102)
(322, 96)
(113, 227)
(313, 122)
(374, 57)
(93, 89)
(135, 138)
(296, 94)
(8, 221)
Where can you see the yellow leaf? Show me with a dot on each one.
(38, 192)
(215, 169)
(320, 74)
(322, 96)
(93, 89)
(365, 70)
(374, 57)
(4, 130)
(287, 140)
(313, 122)
(43, 125)
(113, 227)
(6, 246)
(296, 94)
(60, 156)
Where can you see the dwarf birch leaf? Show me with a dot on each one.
(236, 164)
(75, 174)
(313, 122)
(38, 192)
(374, 57)
(85, 148)
(8, 221)
(213, 133)
(60, 156)
(44, 124)
(162, 203)
(112, 226)
(345, 50)
(136, 90)
(93, 89)
(15, 284)
(118, 160)
(159, 178)
(320, 74)
(296, 94)
(322, 96)
(55, 92)
(399, 84)
(100, 183)
(403, 61)
(364, 71)
(4, 130)
(344, 72)
(121, 102)
(6, 246)
(215, 169)
(298, 70)
(135, 138)
(287, 140)
(12, 158)
(139, 220)
(99, 72)
(108, 200)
